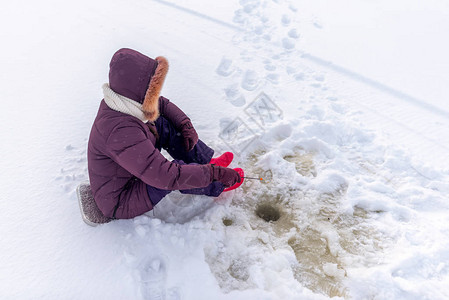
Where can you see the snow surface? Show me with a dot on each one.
(341, 106)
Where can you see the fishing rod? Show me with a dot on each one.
(256, 178)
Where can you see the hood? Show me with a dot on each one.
(138, 77)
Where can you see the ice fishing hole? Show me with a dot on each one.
(227, 222)
(268, 212)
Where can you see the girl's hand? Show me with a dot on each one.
(190, 136)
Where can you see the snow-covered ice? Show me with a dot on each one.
(340, 106)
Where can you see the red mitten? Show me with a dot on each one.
(233, 187)
(227, 176)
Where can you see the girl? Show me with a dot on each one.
(128, 174)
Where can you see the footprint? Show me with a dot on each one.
(74, 168)
(293, 8)
(273, 78)
(153, 277)
(288, 43)
(249, 6)
(259, 30)
(269, 66)
(293, 33)
(285, 20)
(239, 101)
(250, 80)
(239, 17)
(225, 68)
(234, 96)
(173, 294)
(267, 37)
(300, 76)
(225, 122)
(231, 91)
(319, 77)
(264, 19)
(290, 70)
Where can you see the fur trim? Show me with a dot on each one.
(150, 105)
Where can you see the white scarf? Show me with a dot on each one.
(122, 104)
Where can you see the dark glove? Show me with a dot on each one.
(227, 176)
(189, 134)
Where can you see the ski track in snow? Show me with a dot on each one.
(344, 208)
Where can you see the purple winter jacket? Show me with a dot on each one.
(122, 158)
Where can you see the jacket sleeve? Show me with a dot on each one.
(171, 112)
(130, 147)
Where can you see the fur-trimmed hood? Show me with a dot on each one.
(138, 77)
